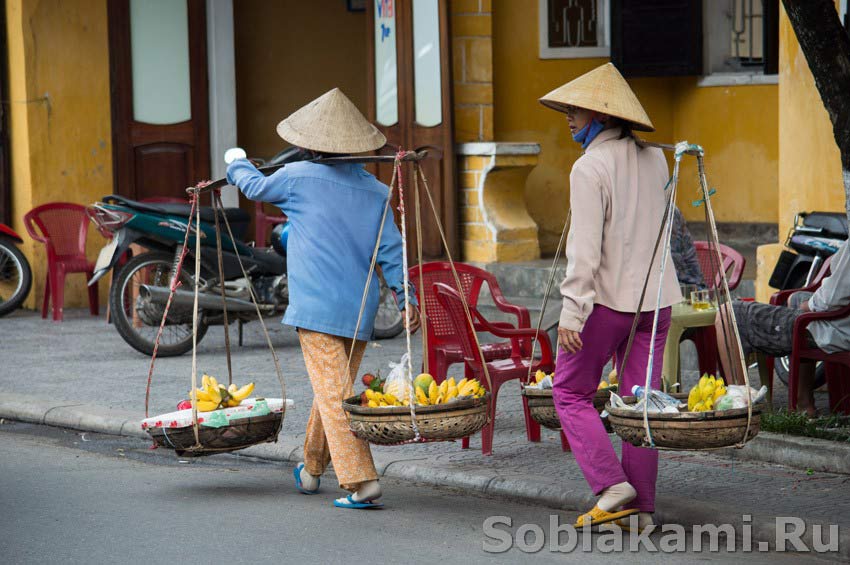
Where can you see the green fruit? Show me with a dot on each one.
(423, 382)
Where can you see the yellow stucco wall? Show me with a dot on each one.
(288, 53)
(810, 164)
(736, 125)
(59, 117)
(809, 161)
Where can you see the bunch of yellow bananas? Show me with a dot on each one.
(705, 393)
(437, 394)
(214, 396)
(449, 390)
(375, 399)
(540, 375)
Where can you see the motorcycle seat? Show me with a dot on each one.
(234, 215)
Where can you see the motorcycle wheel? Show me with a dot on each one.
(388, 319)
(782, 368)
(15, 277)
(151, 268)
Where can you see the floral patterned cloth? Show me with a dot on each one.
(328, 435)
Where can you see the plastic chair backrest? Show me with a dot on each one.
(440, 327)
(62, 227)
(708, 264)
(452, 304)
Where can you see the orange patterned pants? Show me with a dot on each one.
(328, 436)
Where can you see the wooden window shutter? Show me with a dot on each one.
(771, 37)
(655, 38)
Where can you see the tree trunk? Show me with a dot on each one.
(826, 46)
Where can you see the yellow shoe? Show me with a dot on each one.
(598, 516)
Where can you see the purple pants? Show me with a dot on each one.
(576, 380)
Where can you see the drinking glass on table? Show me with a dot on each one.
(702, 299)
(687, 289)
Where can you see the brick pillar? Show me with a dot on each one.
(472, 52)
(495, 224)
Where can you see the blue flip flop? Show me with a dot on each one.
(299, 485)
(349, 502)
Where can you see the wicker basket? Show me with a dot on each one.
(240, 434)
(542, 406)
(688, 430)
(392, 425)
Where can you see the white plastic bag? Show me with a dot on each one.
(398, 381)
(736, 397)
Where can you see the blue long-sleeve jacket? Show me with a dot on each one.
(335, 213)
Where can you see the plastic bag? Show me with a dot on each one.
(736, 397)
(663, 401)
(655, 405)
(398, 382)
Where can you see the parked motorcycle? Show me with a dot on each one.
(814, 237)
(140, 287)
(15, 273)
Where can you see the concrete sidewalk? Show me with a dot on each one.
(81, 375)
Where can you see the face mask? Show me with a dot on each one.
(588, 133)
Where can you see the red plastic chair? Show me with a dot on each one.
(444, 346)
(62, 227)
(262, 223)
(733, 264)
(501, 370)
(780, 298)
(732, 261)
(837, 364)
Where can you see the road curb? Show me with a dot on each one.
(673, 510)
(798, 452)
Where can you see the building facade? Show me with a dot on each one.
(142, 97)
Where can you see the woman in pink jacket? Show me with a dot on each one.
(617, 200)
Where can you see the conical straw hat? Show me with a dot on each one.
(604, 90)
(331, 124)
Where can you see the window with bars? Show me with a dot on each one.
(573, 28)
(742, 36)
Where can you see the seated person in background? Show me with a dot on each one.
(684, 253)
(768, 329)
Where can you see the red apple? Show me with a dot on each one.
(368, 378)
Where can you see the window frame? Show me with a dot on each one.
(729, 76)
(547, 52)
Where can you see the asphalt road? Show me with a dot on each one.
(72, 497)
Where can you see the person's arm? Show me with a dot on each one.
(255, 185)
(834, 291)
(684, 253)
(584, 246)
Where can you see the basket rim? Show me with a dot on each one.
(352, 405)
(233, 423)
(547, 392)
(734, 413)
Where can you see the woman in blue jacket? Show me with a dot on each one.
(335, 216)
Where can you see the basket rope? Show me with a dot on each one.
(398, 179)
(195, 214)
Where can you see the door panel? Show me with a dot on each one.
(422, 50)
(5, 165)
(160, 115)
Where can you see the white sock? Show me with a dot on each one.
(308, 481)
(616, 496)
(370, 490)
(644, 519)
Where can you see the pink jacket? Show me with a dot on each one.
(617, 200)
